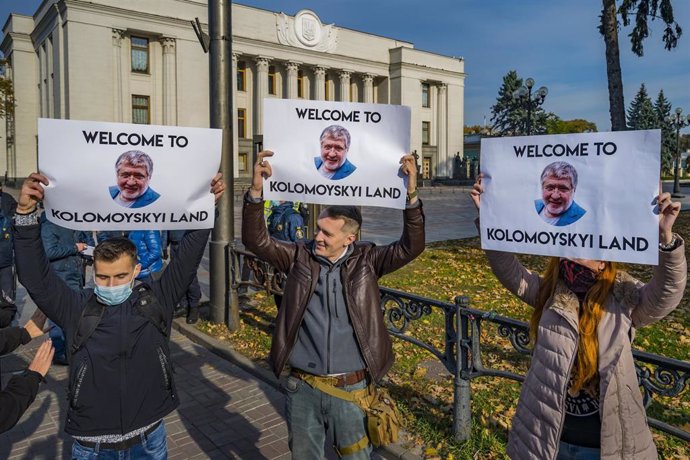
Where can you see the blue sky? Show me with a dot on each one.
(556, 42)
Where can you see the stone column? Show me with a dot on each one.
(292, 70)
(261, 92)
(235, 133)
(345, 85)
(442, 131)
(320, 83)
(368, 80)
(118, 103)
(169, 81)
(42, 85)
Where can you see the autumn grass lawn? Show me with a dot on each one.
(425, 394)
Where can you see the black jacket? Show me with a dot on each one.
(121, 379)
(21, 390)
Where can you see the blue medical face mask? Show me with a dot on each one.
(114, 295)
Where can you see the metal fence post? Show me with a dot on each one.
(462, 411)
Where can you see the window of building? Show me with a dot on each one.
(141, 109)
(426, 100)
(328, 89)
(242, 162)
(300, 84)
(242, 123)
(140, 54)
(426, 132)
(272, 80)
(241, 76)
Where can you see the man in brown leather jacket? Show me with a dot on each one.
(330, 324)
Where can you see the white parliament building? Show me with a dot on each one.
(136, 61)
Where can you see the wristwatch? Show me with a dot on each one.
(412, 195)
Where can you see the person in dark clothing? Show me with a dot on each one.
(121, 383)
(285, 223)
(63, 247)
(190, 300)
(7, 284)
(7, 206)
(103, 235)
(7, 203)
(21, 390)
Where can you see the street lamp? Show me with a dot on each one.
(524, 94)
(678, 122)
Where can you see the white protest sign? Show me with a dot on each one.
(326, 170)
(162, 180)
(589, 196)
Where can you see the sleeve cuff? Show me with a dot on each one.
(25, 336)
(33, 375)
(249, 199)
(676, 242)
(23, 220)
(417, 204)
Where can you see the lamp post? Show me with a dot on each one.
(524, 94)
(678, 122)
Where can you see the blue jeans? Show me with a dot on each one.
(572, 452)
(58, 339)
(312, 414)
(152, 447)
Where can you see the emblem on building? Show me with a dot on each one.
(306, 31)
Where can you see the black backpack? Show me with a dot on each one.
(148, 306)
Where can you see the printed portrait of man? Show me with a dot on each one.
(557, 204)
(333, 163)
(133, 170)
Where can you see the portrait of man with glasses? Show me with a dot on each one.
(333, 163)
(557, 205)
(133, 170)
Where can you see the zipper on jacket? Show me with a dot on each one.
(328, 329)
(164, 368)
(620, 409)
(122, 357)
(565, 394)
(294, 341)
(368, 360)
(81, 372)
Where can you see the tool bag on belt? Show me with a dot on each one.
(383, 418)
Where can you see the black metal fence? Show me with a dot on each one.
(461, 354)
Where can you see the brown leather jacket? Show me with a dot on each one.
(359, 273)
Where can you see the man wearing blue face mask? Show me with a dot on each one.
(121, 382)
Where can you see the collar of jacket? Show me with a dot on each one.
(565, 303)
(325, 261)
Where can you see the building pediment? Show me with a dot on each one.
(306, 31)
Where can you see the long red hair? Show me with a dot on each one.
(591, 310)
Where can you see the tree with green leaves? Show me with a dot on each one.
(662, 110)
(641, 114)
(6, 91)
(644, 11)
(509, 116)
(474, 129)
(6, 96)
(554, 125)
